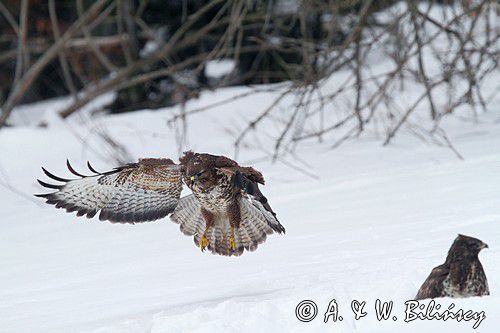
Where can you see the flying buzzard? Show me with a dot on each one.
(461, 275)
(226, 212)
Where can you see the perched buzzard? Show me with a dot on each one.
(226, 213)
(461, 275)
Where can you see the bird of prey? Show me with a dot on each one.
(461, 275)
(226, 212)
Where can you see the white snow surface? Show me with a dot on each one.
(219, 68)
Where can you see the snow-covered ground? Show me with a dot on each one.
(371, 226)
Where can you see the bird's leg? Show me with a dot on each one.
(233, 213)
(209, 222)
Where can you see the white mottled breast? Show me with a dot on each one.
(217, 198)
(471, 287)
(450, 290)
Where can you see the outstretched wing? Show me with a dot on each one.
(137, 192)
(247, 179)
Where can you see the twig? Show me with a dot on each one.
(8, 16)
(21, 62)
(103, 59)
(27, 79)
(62, 55)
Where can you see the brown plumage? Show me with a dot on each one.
(226, 213)
(461, 275)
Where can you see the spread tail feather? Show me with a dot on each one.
(256, 223)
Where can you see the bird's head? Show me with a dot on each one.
(201, 178)
(199, 171)
(465, 247)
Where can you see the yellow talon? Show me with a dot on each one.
(232, 242)
(204, 243)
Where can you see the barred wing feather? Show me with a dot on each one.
(137, 192)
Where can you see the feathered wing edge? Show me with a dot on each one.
(51, 198)
(251, 188)
(106, 198)
(256, 223)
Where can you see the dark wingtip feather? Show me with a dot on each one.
(54, 177)
(91, 213)
(55, 187)
(70, 168)
(44, 195)
(81, 212)
(71, 208)
(92, 169)
(61, 204)
(279, 228)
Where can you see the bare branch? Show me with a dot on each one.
(27, 79)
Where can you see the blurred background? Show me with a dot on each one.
(153, 54)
